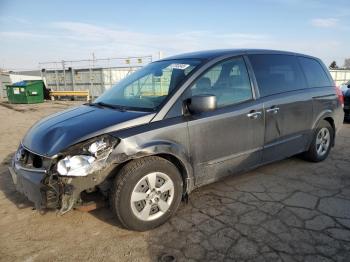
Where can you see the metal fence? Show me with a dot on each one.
(95, 75)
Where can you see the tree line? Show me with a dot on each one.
(346, 65)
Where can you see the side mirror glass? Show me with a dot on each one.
(201, 103)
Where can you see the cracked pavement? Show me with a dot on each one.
(290, 210)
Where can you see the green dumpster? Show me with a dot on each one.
(26, 92)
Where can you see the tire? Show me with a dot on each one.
(141, 204)
(323, 137)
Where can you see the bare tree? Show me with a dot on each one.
(333, 65)
(347, 63)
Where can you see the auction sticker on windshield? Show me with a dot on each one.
(178, 66)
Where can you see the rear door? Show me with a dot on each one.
(324, 95)
(287, 104)
(230, 138)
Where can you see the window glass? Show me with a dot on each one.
(228, 81)
(315, 75)
(277, 73)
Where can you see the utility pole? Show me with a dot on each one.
(93, 60)
(64, 74)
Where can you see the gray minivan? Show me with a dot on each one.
(175, 125)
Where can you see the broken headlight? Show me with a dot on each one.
(84, 158)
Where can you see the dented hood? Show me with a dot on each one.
(57, 132)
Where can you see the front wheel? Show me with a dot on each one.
(321, 143)
(146, 193)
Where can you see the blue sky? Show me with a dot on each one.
(38, 31)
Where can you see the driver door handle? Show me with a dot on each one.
(254, 114)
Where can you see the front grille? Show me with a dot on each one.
(31, 160)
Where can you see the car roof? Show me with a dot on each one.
(212, 54)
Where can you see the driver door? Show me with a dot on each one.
(230, 138)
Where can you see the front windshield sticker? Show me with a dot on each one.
(178, 66)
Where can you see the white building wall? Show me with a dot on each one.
(4, 80)
(340, 76)
(18, 78)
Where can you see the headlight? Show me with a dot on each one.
(75, 165)
(87, 157)
(97, 146)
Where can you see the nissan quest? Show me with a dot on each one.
(178, 124)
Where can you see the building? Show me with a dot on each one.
(4, 80)
(340, 76)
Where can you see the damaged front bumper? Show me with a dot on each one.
(28, 183)
(33, 183)
(48, 190)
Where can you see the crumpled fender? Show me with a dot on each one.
(129, 149)
(126, 150)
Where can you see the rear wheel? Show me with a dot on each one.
(146, 193)
(321, 143)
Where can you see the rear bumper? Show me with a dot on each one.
(29, 184)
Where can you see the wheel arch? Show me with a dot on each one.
(181, 167)
(330, 120)
(326, 116)
(174, 153)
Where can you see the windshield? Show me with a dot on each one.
(148, 87)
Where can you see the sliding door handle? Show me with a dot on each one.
(273, 110)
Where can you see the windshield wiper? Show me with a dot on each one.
(102, 104)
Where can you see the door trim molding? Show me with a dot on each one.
(288, 139)
(225, 158)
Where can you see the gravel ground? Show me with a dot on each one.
(287, 211)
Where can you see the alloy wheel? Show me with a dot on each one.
(152, 196)
(323, 140)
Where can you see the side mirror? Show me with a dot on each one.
(349, 86)
(158, 73)
(201, 103)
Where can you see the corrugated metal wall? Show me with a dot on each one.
(95, 75)
(96, 80)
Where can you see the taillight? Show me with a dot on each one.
(340, 95)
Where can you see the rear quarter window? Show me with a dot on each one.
(277, 73)
(314, 72)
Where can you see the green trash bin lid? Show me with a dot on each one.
(25, 83)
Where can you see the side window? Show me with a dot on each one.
(277, 73)
(315, 74)
(228, 81)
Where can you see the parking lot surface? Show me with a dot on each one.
(291, 210)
